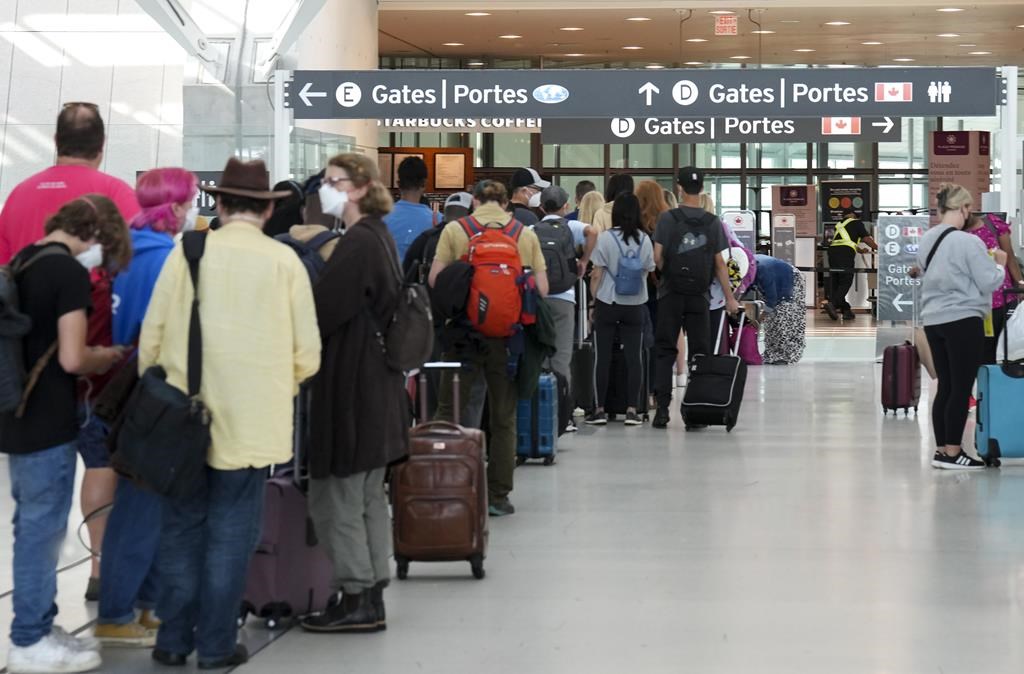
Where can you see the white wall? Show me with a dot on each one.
(103, 51)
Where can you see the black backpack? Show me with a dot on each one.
(559, 249)
(309, 251)
(689, 263)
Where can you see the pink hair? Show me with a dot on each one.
(157, 190)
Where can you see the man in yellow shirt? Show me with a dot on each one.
(260, 341)
(489, 360)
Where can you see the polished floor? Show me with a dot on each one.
(813, 538)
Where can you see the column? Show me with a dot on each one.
(1008, 149)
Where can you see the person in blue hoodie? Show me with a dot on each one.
(130, 545)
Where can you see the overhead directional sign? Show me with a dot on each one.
(741, 93)
(628, 130)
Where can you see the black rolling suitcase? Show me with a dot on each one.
(615, 401)
(714, 391)
(583, 358)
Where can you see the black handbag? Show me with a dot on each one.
(163, 435)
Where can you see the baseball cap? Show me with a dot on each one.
(527, 177)
(553, 198)
(463, 199)
(691, 179)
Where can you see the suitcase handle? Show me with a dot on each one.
(440, 366)
(445, 427)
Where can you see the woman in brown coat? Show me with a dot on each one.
(359, 415)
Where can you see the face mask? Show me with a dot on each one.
(190, 219)
(534, 200)
(332, 202)
(92, 257)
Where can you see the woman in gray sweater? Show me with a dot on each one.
(959, 277)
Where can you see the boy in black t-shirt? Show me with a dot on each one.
(52, 278)
(850, 234)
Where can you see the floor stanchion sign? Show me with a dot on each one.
(898, 294)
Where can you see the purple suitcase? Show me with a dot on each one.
(901, 378)
(290, 574)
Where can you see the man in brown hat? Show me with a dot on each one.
(260, 342)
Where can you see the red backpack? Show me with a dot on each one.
(495, 302)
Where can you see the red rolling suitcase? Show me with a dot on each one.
(901, 378)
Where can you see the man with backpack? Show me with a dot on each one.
(497, 247)
(688, 242)
(559, 240)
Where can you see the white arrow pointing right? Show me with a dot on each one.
(306, 94)
(649, 90)
(888, 124)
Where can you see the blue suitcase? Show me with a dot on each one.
(998, 434)
(537, 423)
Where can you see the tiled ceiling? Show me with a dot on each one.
(799, 34)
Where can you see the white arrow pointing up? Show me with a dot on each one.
(888, 124)
(649, 90)
(898, 302)
(306, 94)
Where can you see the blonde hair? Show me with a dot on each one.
(952, 197)
(671, 199)
(706, 202)
(364, 172)
(590, 204)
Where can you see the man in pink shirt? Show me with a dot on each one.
(80, 138)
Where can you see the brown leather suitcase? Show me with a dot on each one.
(439, 495)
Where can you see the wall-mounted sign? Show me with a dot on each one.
(898, 237)
(727, 24)
(802, 202)
(628, 130)
(742, 93)
(962, 157)
(838, 195)
(488, 125)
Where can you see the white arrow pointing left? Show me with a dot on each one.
(306, 94)
(888, 124)
(898, 302)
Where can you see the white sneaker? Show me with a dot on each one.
(51, 655)
(82, 643)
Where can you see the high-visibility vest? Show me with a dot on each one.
(842, 237)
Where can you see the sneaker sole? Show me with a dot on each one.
(347, 629)
(630, 422)
(128, 643)
(942, 465)
(65, 668)
(597, 423)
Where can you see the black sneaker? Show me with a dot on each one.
(597, 419)
(633, 419)
(831, 311)
(501, 507)
(848, 315)
(660, 418)
(959, 462)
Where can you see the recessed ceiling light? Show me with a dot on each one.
(570, 28)
(837, 23)
(454, 44)
(696, 39)
(790, 21)
(1021, 26)
(968, 45)
(949, 9)
(948, 35)
(633, 48)
(903, 60)
(694, 63)
(575, 54)
(510, 37)
(804, 50)
(840, 65)
(478, 13)
(763, 32)
(979, 53)
(872, 43)
(721, 12)
(475, 63)
(654, 66)
(638, 18)
(739, 57)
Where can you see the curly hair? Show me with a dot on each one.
(362, 171)
(94, 216)
(158, 190)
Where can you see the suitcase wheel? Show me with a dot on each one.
(993, 463)
(477, 563)
(403, 567)
(520, 459)
(243, 613)
(549, 460)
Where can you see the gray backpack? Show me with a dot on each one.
(558, 246)
(15, 383)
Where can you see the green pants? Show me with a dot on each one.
(490, 363)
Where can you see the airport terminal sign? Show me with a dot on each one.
(898, 240)
(628, 130)
(574, 94)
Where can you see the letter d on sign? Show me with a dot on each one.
(623, 127)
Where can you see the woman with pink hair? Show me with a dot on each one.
(128, 563)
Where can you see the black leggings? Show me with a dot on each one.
(628, 321)
(958, 351)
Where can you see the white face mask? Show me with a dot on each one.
(190, 219)
(332, 202)
(91, 258)
(534, 200)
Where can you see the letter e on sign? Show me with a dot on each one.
(726, 25)
(348, 94)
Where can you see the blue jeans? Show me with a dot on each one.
(130, 544)
(205, 548)
(42, 484)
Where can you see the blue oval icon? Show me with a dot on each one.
(550, 93)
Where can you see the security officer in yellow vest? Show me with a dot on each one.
(851, 235)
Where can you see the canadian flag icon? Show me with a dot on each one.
(894, 92)
(843, 126)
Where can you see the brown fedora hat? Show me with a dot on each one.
(246, 179)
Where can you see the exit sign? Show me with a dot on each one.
(727, 24)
